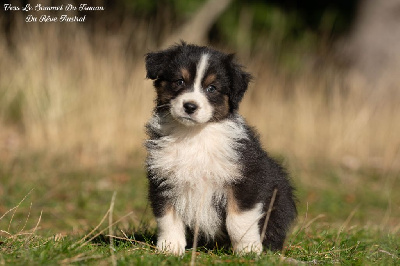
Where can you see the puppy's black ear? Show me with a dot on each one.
(239, 81)
(155, 63)
(158, 63)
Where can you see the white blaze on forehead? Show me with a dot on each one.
(201, 69)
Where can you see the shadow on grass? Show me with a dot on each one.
(149, 238)
(146, 237)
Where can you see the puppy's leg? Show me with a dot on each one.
(243, 228)
(282, 215)
(171, 233)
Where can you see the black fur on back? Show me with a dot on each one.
(261, 175)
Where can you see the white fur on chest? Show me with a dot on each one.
(197, 163)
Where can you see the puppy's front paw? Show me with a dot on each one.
(243, 248)
(172, 246)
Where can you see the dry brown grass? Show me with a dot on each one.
(80, 96)
(87, 97)
(333, 118)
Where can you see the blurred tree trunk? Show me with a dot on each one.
(197, 28)
(374, 44)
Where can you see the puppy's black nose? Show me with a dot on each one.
(190, 107)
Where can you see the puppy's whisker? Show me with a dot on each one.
(165, 115)
(163, 105)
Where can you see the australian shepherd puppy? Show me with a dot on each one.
(206, 167)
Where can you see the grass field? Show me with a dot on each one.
(57, 210)
(71, 134)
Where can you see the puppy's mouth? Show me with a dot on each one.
(187, 120)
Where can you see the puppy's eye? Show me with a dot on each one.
(211, 89)
(180, 82)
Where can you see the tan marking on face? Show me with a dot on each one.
(163, 94)
(221, 111)
(185, 74)
(210, 79)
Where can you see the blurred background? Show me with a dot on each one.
(325, 99)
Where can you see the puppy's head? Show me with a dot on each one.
(196, 84)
